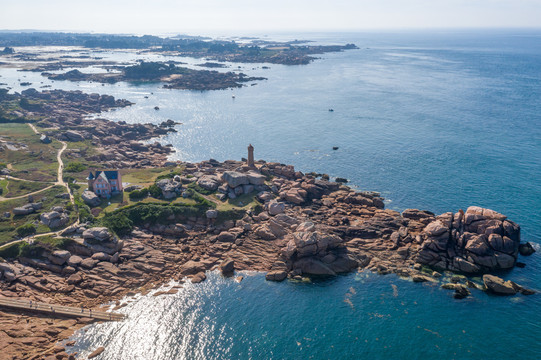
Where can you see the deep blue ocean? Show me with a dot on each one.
(436, 120)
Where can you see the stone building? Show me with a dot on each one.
(105, 183)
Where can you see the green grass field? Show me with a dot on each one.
(14, 188)
(32, 160)
(47, 197)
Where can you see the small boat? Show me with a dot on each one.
(156, 108)
(335, 147)
(233, 96)
(331, 110)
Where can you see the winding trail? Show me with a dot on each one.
(60, 173)
(25, 195)
(59, 181)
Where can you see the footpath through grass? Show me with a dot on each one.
(8, 225)
(28, 156)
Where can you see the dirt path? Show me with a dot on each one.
(59, 181)
(16, 178)
(33, 128)
(25, 195)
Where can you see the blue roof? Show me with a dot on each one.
(110, 175)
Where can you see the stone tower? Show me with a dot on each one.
(251, 156)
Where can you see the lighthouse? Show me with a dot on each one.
(251, 156)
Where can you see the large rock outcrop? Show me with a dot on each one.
(90, 198)
(27, 209)
(479, 240)
(170, 188)
(313, 252)
(54, 219)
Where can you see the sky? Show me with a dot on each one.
(246, 16)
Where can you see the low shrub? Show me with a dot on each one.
(138, 194)
(25, 230)
(155, 191)
(169, 175)
(74, 167)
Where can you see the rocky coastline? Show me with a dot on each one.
(290, 225)
(306, 227)
(179, 78)
(63, 115)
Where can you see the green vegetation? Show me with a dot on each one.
(83, 209)
(37, 249)
(30, 158)
(144, 176)
(57, 243)
(30, 105)
(76, 153)
(10, 224)
(199, 189)
(245, 201)
(168, 175)
(3, 186)
(18, 188)
(122, 220)
(152, 70)
(155, 191)
(25, 230)
(15, 250)
(73, 167)
(138, 194)
(12, 108)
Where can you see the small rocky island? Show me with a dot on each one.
(173, 76)
(177, 220)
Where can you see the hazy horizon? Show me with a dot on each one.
(243, 17)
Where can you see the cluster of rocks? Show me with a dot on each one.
(306, 226)
(171, 188)
(237, 183)
(479, 240)
(191, 79)
(499, 286)
(89, 247)
(27, 209)
(56, 218)
(118, 143)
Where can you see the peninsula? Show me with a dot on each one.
(62, 243)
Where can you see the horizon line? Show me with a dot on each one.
(276, 31)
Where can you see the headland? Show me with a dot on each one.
(177, 220)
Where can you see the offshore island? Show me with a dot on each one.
(92, 211)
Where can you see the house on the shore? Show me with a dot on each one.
(105, 183)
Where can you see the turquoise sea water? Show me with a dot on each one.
(436, 121)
